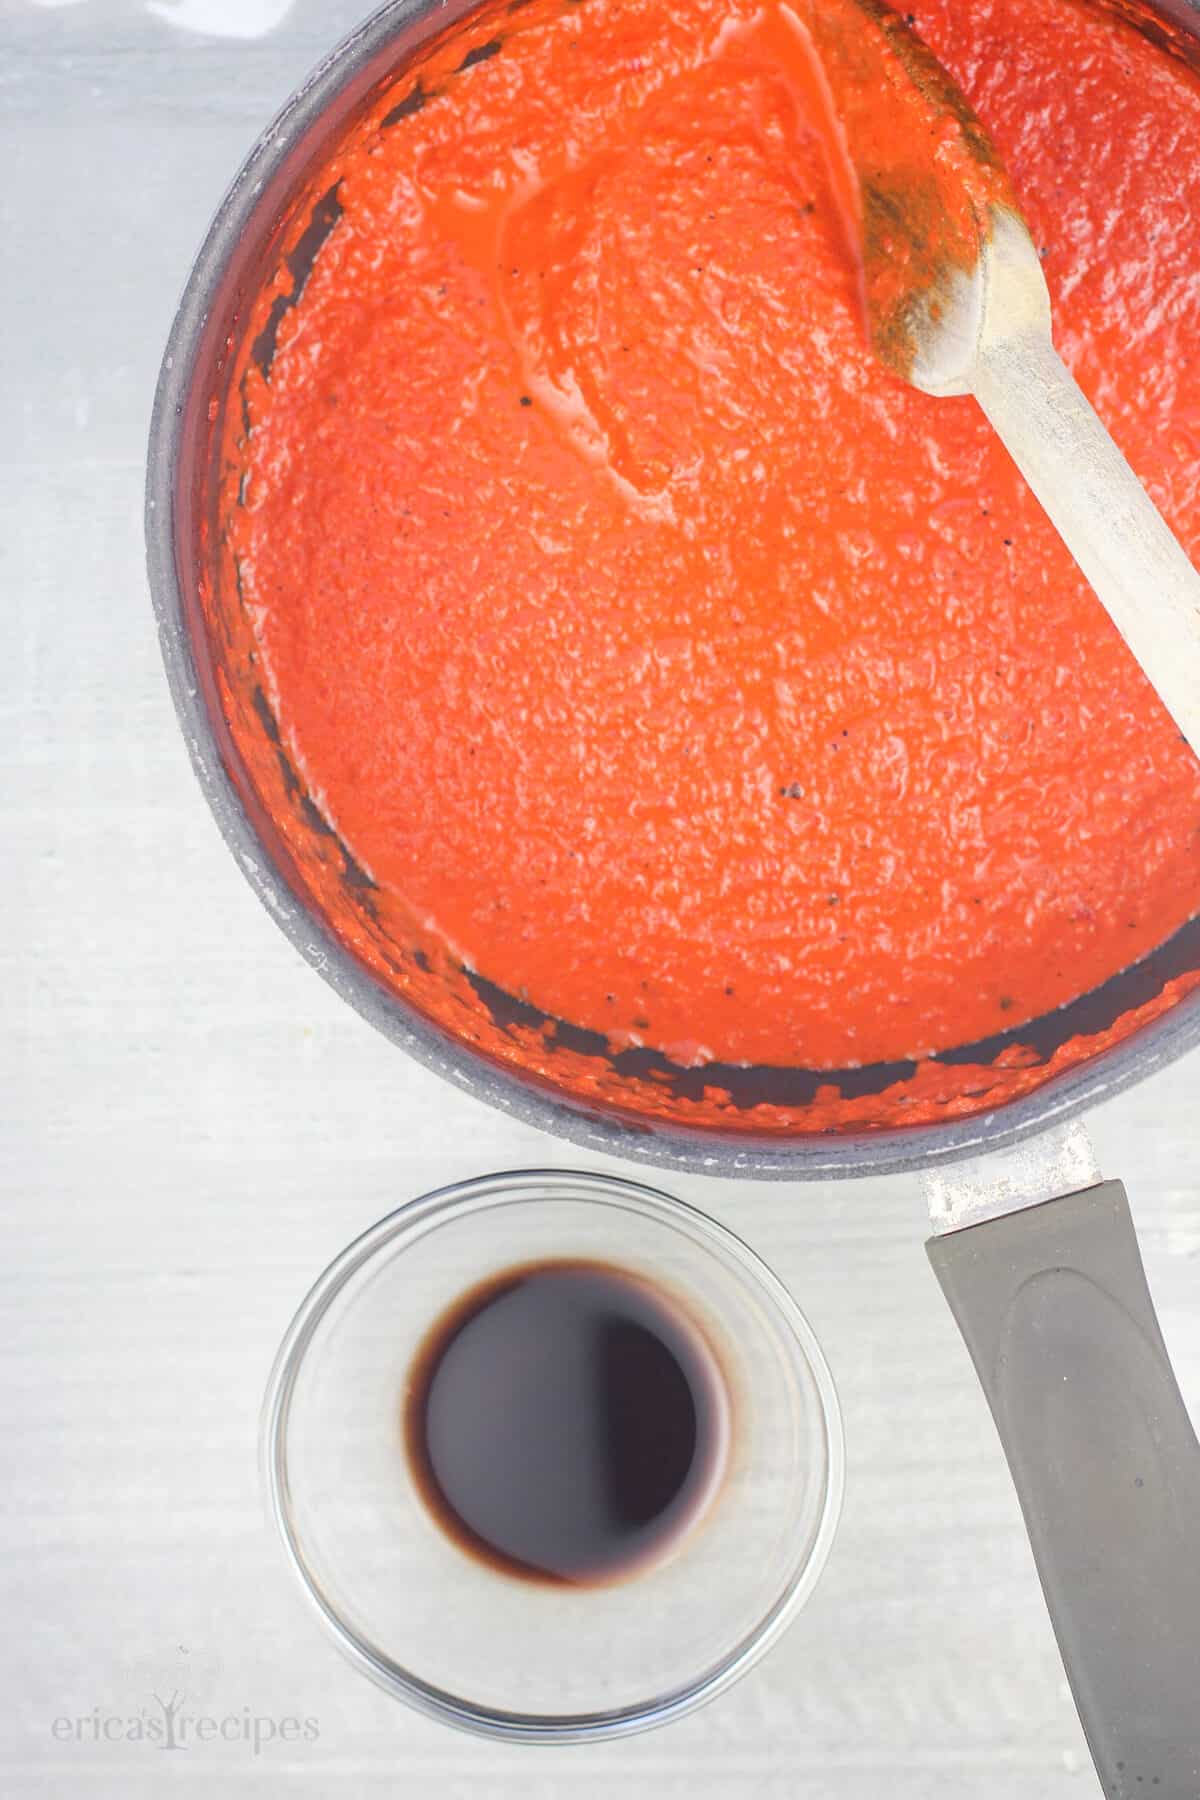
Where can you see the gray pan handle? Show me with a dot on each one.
(1053, 1304)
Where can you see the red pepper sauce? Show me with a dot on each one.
(651, 650)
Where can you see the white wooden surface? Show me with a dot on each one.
(191, 1126)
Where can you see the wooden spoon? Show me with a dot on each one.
(956, 303)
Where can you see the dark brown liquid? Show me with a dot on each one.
(565, 1422)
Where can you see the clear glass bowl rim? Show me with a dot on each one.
(409, 1222)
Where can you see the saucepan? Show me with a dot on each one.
(1035, 1252)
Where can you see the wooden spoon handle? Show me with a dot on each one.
(1100, 509)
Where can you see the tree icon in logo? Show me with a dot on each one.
(170, 1712)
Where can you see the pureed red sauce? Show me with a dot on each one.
(630, 639)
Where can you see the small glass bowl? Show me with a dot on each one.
(481, 1649)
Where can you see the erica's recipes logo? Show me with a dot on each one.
(166, 1723)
